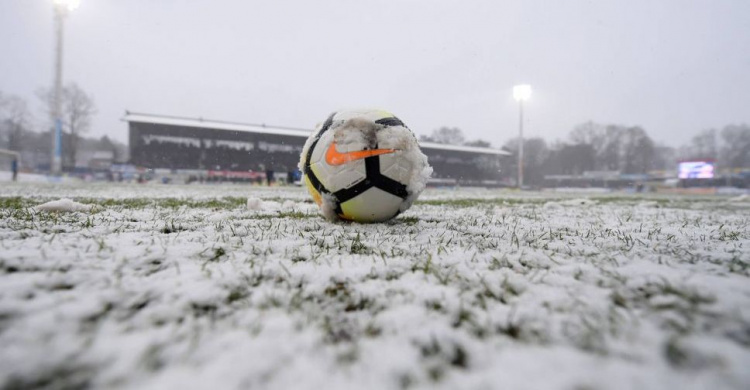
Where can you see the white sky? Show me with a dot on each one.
(674, 67)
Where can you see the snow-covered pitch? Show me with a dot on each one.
(227, 287)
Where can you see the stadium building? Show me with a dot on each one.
(219, 149)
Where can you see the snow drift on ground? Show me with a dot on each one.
(64, 205)
(244, 287)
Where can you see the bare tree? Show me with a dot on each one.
(736, 150)
(15, 117)
(615, 148)
(608, 156)
(704, 146)
(447, 135)
(77, 110)
(3, 125)
(665, 158)
(572, 159)
(603, 141)
(637, 150)
(588, 133)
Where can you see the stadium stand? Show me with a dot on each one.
(236, 149)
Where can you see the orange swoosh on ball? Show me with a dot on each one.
(334, 157)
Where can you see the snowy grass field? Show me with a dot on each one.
(161, 287)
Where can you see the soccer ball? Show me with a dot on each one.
(364, 166)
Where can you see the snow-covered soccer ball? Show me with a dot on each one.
(363, 165)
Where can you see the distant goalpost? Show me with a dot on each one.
(6, 161)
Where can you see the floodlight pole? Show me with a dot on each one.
(56, 161)
(521, 93)
(520, 144)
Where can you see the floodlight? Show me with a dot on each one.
(70, 5)
(522, 92)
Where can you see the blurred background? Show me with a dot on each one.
(629, 95)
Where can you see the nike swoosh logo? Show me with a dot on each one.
(334, 157)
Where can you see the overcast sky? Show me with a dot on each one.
(674, 67)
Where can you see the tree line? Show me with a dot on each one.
(591, 147)
(22, 131)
